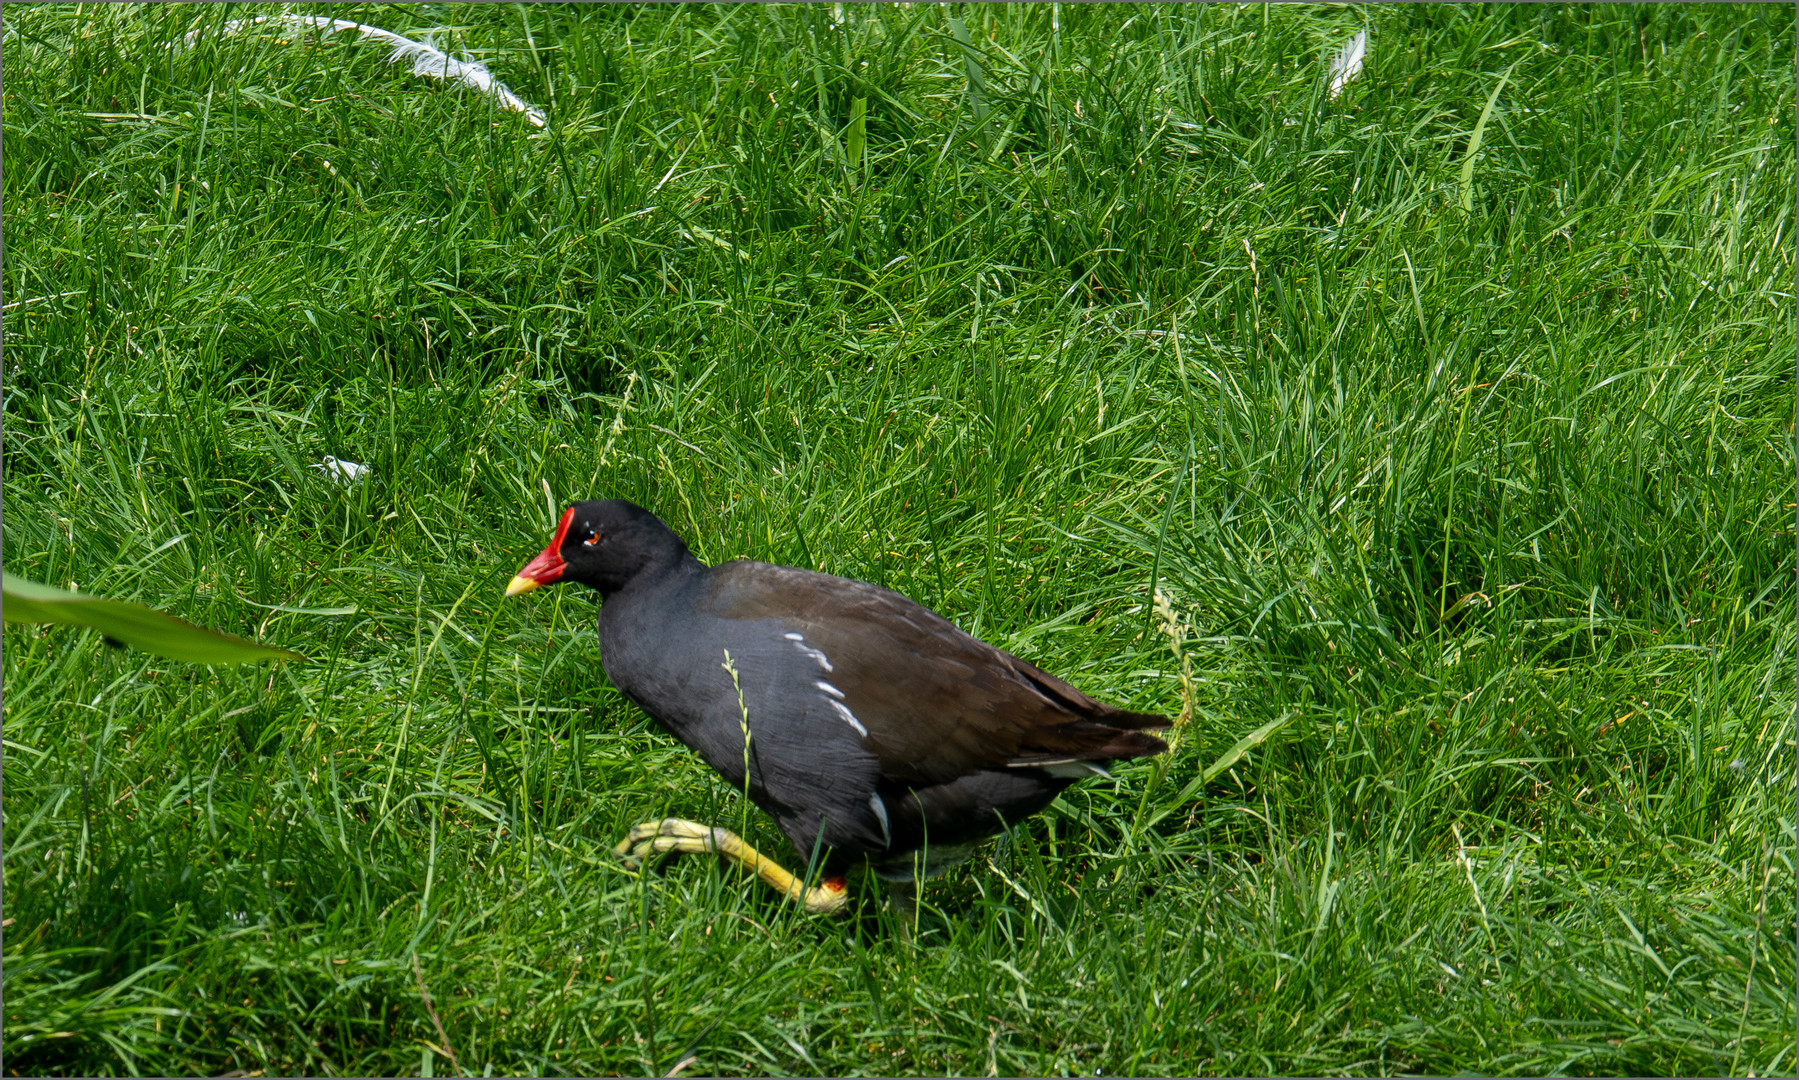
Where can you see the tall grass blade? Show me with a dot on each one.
(1480, 127)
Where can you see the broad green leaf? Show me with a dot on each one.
(134, 624)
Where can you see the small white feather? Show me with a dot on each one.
(344, 472)
(426, 58)
(1348, 62)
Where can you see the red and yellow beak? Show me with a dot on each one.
(547, 568)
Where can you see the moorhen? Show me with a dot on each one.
(870, 727)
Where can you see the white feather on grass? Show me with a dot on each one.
(344, 472)
(426, 58)
(1348, 63)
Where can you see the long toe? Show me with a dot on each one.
(648, 836)
(668, 845)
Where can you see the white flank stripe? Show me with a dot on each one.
(823, 660)
(849, 717)
(829, 689)
(1074, 770)
(880, 809)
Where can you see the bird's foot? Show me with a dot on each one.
(670, 835)
(679, 836)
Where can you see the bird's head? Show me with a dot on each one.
(601, 544)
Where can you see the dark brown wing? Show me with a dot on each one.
(937, 703)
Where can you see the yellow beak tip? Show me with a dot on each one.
(520, 584)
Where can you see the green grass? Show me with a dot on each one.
(1480, 490)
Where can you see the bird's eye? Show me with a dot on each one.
(593, 537)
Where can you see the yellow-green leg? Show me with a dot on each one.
(676, 835)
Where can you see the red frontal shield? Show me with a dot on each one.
(547, 568)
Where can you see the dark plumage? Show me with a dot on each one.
(876, 727)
